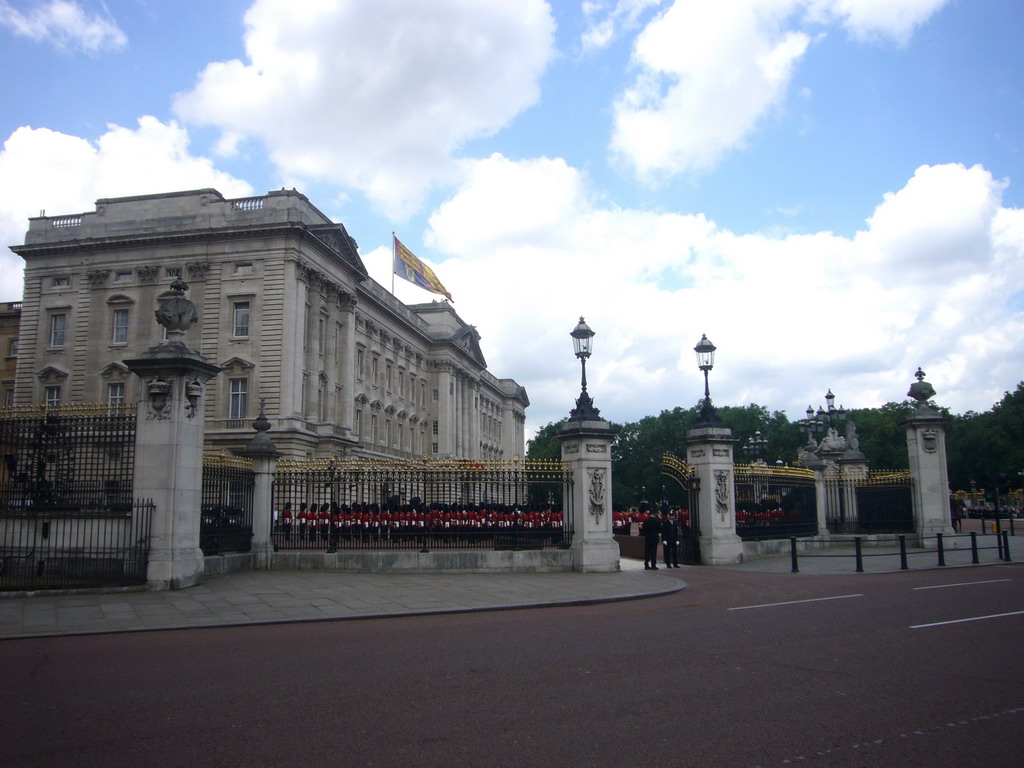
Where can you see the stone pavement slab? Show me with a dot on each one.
(267, 597)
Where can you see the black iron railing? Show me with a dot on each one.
(51, 549)
(227, 504)
(426, 504)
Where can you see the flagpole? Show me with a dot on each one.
(392, 263)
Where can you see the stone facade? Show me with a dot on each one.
(286, 309)
(10, 323)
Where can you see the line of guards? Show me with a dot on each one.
(367, 524)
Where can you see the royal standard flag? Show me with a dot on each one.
(415, 271)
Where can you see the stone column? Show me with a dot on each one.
(347, 365)
(709, 452)
(169, 444)
(586, 447)
(264, 456)
(926, 444)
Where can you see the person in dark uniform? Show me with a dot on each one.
(286, 521)
(670, 539)
(651, 531)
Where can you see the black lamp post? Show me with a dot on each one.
(816, 423)
(583, 345)
(706, 361)
(755, 446)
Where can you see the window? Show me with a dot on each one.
(58, 325)
(123, 276)
(388, 378)
(12, 348)
(243, 269)
(51, 395)
(240, 321)
(120, 327)
(239, 398)
(9, 397)
(433, 429)
(360, 363)
(375, 371)
(435, 395)
(173, 272)
(61, 282)
(359, 423)
(115, 395)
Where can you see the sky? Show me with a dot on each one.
(831, 190)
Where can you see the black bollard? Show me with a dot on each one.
(792, 554)
(860, 556)
(903, 553)
(1006, 545)
(941, 551)
(974, 548)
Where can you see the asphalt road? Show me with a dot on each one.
(739, 669)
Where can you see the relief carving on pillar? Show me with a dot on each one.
(572, 447)
(159, 399)
(697, 453)
(193, 391)
(720, 452)
(597, 497)
(596, 448)
(930, 440)
(722, 492)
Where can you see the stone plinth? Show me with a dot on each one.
(586, 447)
(169, 459)
(709, 452)
(926, 446)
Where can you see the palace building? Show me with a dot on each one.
(286, 309)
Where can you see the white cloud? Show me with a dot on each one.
(792, 315)
(66, 25)
(605, 21)
(709, 73)
(44, 169)
(376, 96)
(892, 19)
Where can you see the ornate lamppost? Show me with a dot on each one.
(755, 447)
(824, 419)
(583, 345)
(706, 361)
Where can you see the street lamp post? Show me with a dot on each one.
(824, 419)
(706, 361)
(755, 446)
(583, 345)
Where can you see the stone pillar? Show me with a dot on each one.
(346, 370)
(264, 456)
(586, 447)
(169, 444)
(926, 445)
(709, 452)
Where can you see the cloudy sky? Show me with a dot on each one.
(831, 190)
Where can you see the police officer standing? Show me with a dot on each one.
(670, 539)
(651, 531)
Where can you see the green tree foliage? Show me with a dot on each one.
(883, 438)
(545, 444)
(977, 444)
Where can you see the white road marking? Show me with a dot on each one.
(972, 618)
(963, 584)
(793, 602)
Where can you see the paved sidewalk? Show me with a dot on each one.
(268, 597)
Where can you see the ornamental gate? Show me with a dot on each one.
(774, 502)
(227, 504)
(359, 504)
(67, 515)
(689, 519)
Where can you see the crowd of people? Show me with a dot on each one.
(333, 525)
